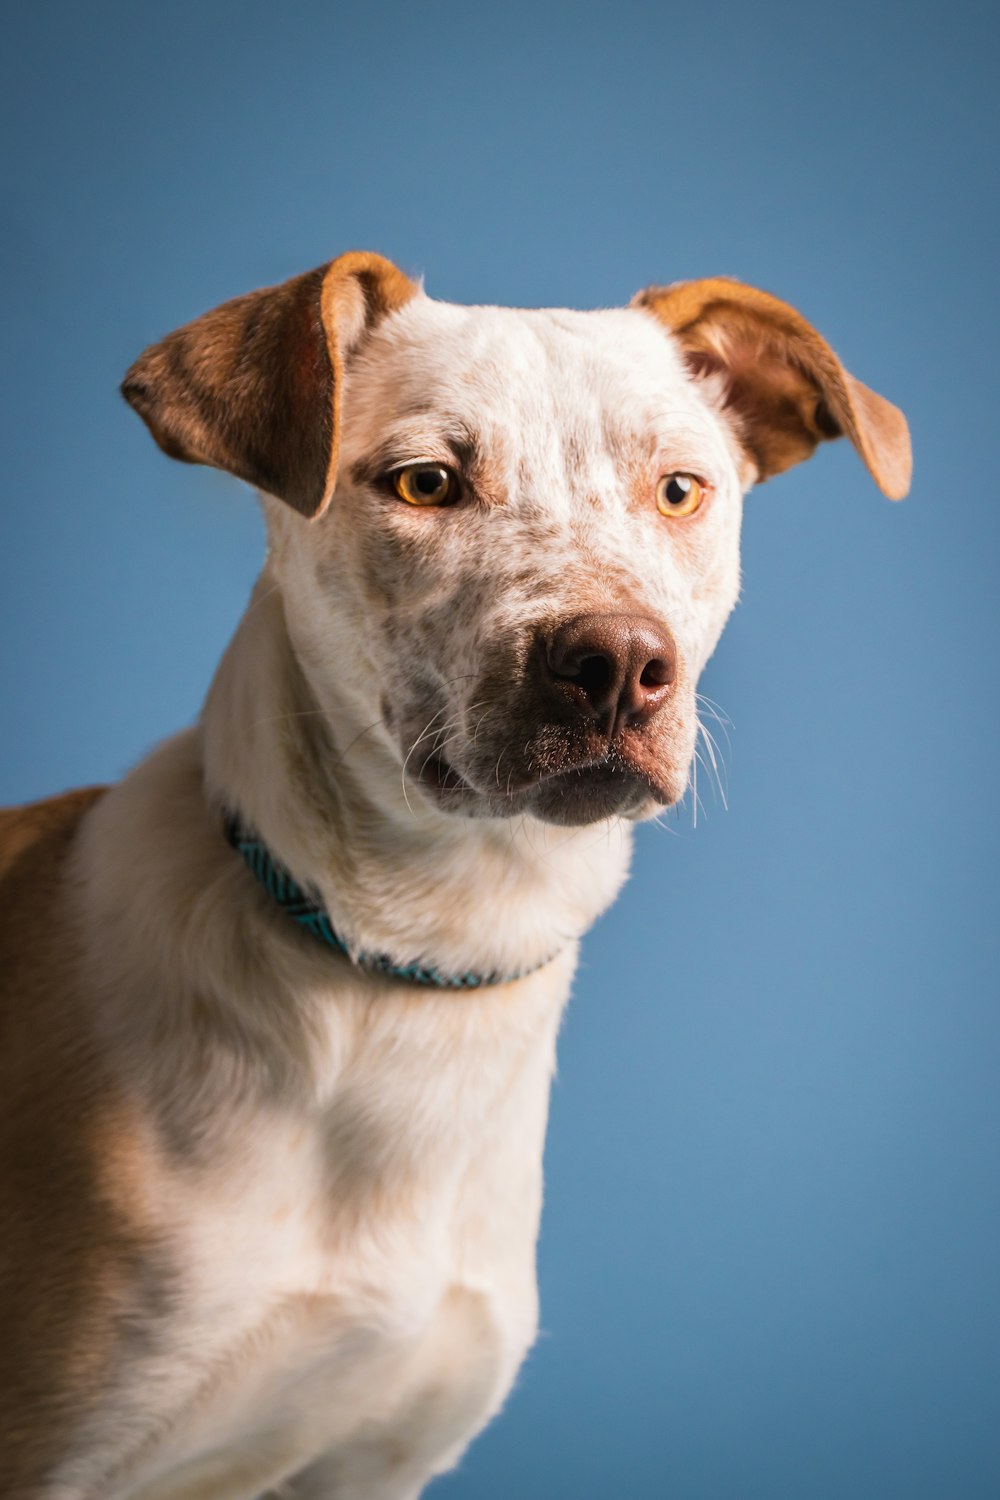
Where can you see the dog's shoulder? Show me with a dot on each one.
(39, 832)
(38, 937)
(35, 841)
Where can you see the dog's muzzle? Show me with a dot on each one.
(589, 720)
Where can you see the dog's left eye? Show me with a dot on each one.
(425, 484)
(679, 495)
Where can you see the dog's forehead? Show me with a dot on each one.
(531, 371)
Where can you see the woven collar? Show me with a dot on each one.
(290, 896)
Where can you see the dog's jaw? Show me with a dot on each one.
(590, 792)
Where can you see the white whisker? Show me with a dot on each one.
(406, 760)
(711, 750)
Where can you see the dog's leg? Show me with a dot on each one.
(427, 1433)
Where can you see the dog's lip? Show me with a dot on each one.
(594, 792)
(440, 775)
(608, 768)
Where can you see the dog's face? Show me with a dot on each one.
(521, 532)
(501, 572)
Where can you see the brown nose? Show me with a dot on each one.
(619, 669)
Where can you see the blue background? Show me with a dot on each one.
(769, 1252)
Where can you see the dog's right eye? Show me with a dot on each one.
(425, 484)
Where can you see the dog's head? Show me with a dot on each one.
(509, 539)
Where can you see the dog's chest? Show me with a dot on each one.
(365, 1268)
(303, 1344)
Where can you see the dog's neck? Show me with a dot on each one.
(397, 876)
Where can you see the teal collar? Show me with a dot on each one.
(290, 896)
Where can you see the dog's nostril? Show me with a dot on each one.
(593, 673)
(656, 674)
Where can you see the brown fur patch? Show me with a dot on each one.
(253, 386)
(78, 1281)
(788, 389)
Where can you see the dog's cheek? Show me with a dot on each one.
(391, 590)
(704, 583)
(367, 584)
(712, 603)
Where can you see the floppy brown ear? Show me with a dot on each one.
(254, 386)
(783, 381)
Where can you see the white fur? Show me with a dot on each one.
(344, 1172)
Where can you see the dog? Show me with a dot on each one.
(280, 1008)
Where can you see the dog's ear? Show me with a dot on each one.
(780, 377)
(255, 385)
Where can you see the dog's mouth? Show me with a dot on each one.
(591, 793)
(602, 787)
(438, 775)
(551, 752)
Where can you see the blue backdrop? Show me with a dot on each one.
(769, 1252)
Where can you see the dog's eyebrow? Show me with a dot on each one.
(455, 444)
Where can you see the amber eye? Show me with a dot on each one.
(425, 484)
(679, 495)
